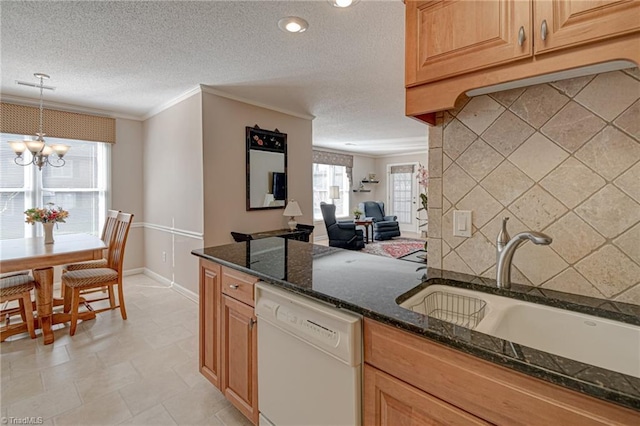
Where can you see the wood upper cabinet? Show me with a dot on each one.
(445, 38)
(453, 46)
(573, 22)
(240, 356)
(209, 321)
(389, 401)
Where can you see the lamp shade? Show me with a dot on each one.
(292, 209)
(334, 192)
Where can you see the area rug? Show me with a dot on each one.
(396, 247)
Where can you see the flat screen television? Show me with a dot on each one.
(279, 186)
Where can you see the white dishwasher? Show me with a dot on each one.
(309, 361)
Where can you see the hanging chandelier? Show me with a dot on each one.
(40, 151)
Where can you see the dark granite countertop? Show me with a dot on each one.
(373, 286)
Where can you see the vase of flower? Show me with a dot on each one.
(48, 232)
(48, 216)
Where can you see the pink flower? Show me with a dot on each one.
(423, 176)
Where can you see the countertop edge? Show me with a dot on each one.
(549, 376)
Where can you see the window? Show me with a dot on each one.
(324, 176)
(81, 187)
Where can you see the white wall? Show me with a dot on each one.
(362, 167)
(173, 201)
(127, 186)
(224, 155)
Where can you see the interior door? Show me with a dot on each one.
(403, 195)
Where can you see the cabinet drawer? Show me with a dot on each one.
(238, 285)
(493, 393)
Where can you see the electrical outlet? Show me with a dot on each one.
(164, 256)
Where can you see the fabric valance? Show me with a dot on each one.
(335, 159)
(403, 168)
(24, 120)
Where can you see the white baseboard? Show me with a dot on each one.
(172, 285)
(133, 271)
(157, 277)
(186, 293)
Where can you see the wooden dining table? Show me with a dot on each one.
(32, 253)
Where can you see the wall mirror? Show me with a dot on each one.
(266, 169)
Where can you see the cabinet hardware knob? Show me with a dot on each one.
(544, 30)
(233, 286)
(521, 36)
(252, 322)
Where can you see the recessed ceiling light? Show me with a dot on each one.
(343, 3)
(293, 24)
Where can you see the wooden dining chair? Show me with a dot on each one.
(17, 287)
(110, 276)
(107, 234)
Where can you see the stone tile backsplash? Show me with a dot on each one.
(562, 158)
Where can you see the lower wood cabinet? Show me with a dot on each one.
(240, 356)
(389, 401)
(209, 318)
(410, 380)
(228, 335)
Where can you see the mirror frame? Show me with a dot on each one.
(270, 141)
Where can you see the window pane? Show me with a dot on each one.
(401, 196)
(80, 187)
(80, 170)
(83, 208)
(12, 215)
(11, 175)
(324, 176)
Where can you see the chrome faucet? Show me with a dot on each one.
(506, 248)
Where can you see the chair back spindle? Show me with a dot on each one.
(118, 242)
(109, 226)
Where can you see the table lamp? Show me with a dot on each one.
(292, 210)
(334, 193)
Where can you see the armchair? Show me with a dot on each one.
(384, 227)
(341, 234)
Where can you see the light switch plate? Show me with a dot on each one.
(462, 223)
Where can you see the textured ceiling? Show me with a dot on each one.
(131, 57)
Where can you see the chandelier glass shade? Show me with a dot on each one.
(40, 151)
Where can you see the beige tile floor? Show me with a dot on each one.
(142, 371)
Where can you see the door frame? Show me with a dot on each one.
(414, 225)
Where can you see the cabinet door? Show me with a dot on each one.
(450, 37)
(574, 22)
(210, 321)
(391, 402)
(240, 357)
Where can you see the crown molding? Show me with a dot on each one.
(402, 154)
(166, 105)
(212, 91)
